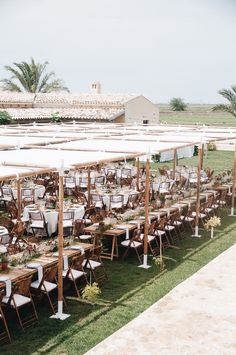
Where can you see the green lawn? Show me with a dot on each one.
(196, 114)
(217, 160)
(129, 291)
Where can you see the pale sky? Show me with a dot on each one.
(160, 48)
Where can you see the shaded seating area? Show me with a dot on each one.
(93, 206)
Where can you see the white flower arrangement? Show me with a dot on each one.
(213, 222)
(110, 221)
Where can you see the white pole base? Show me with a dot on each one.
(145, 264)
(60, 315)
(196, 235)
(232, 212)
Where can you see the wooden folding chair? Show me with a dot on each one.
(78, 232)
(47, 285)
(202, 214)
(79, 196)
(95, 266)
(135, 243)
(151, 239)
(7, 195)
(70, 184)
(68, 221)
(163, 238)
(222, 200)
(27, 197)
(188, 219)
(37, 222)
(209, 210)
(117, 202)
(20, 297)
(99, 180)
(76, 273)
(4, 333)
(111, 176)
(97, 201)
(175, 221)
(133, 201)
(17, 237)
(12, 210)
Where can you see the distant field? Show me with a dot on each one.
(196, 114)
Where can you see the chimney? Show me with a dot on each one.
(95, 87)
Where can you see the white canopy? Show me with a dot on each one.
(53, 159)
(23, 141)
(121, 145)
(14, 172)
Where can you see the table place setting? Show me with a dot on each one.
(8, 285)
(39, 268)
(125, 228)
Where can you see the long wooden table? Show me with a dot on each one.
(113, 233)
(19, 272)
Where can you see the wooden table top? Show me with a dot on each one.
(222, 187)
(19, 272)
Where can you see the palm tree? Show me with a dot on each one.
(177, 104)
(32, 77)
(229, 95)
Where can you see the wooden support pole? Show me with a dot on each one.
(146, 207)
(60, 239)
(60, 315)
(138, 172)
(89, 186)
(174, 163)
(18, 199)
(146, 226)
(234, 183)
(200, 159)
(202, 155)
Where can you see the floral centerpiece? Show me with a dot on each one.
(4, 258)
(212, 223)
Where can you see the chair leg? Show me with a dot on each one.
(76, 289)
(5, 326)
(139, 258)
(34, 309)
(125, 253)
(154, 249)
(18, 316)
(50, 303)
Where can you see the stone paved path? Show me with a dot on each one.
(196, 317)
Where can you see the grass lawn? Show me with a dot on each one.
(129, 291)
(196, 114)
(217, 160)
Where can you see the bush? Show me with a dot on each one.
(156, 158)
(195, 152)
(211, 147)
(55, 117)
(5, 118)
(91, 292)
(177, 104)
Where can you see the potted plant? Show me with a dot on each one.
(4, 261)
(212, 223)
(91, 292)
(159, 262)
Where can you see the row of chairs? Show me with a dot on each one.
(169, 229)
(6, 196)
(82, 270)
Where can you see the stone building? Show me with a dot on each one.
(92, 107)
